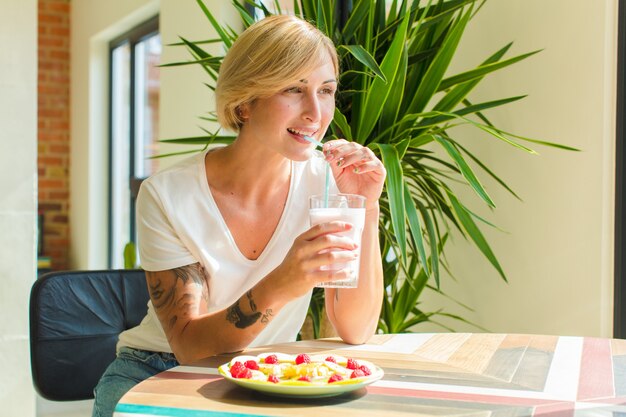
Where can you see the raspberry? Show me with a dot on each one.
(331, 359)
(241, 373)
(304, 378)
(352, 364)
(236, 368)
(357, 374)
(302, 358)
(335, 378)
(271, 359)
(252, 365)
(272, 378)
(365, 370)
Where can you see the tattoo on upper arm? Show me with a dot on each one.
(241, 320)
(173, 297)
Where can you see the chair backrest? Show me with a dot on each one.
(75, 320)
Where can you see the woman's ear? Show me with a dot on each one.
(243, 111)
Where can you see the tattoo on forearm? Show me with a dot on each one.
(266, 317)
(251, 301)
(241, 320)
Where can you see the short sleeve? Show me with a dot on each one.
(160, 247)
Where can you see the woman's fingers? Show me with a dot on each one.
(327, 228)
(343, 154)
(332, 259)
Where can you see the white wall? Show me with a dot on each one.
(18, 200)
(183, 98)
(558, 249)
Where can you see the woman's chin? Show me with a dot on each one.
(303, 156)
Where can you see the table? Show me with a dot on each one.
(458, 374)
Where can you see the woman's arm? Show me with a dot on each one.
(354, 312)
(180, 296)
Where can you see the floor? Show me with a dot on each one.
(47, 408)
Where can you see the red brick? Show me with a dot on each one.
(49, 206)
(57, 30)
(49, 183)
(63, 125)
(50, 160)
(59, 54)
(60, 218)
(47, 136)
(49, 18)
(61, 149)
(53, 124)
(49, 89)
(59, 195)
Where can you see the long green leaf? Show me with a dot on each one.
(459, 92)
(243, 13)
(488, 171)
(200, 140)
(438, 67)
(474, 108)
(465, 169)
(395, 193)
(539, 142)
(195, 42)
(432, 239)
(355, 20)
(379, 91)
(474, 233)
(365, 58)
(391, 109)
(340, 121)
(218, 28)
(481, 71)
(416, 227)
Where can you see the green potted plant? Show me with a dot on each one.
(397, 98)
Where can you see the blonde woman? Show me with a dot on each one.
(224, 236)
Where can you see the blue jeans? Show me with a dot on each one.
(127, 370)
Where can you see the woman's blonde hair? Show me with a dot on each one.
(265, 58)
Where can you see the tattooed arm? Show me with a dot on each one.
(180, 298)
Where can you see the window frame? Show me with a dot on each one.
(134, 36)
(619, 277)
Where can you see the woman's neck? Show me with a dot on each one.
(250, 172)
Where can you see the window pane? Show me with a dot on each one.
(120, 150)
(147, 55)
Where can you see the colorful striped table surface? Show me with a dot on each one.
(439, 374)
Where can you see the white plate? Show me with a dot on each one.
(297, 389)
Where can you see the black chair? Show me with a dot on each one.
(75, 320)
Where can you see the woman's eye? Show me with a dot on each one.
(330, 91)
(293, 90)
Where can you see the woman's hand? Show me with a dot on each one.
(356, 169)
(317, 248)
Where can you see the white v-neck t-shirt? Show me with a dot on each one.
(179, 223)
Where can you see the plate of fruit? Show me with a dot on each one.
(300, 375)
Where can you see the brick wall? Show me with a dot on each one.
(54, 131)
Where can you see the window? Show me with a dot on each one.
(134, 98)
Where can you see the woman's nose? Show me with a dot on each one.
(311, 110)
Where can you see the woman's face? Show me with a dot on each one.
(304, 107)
